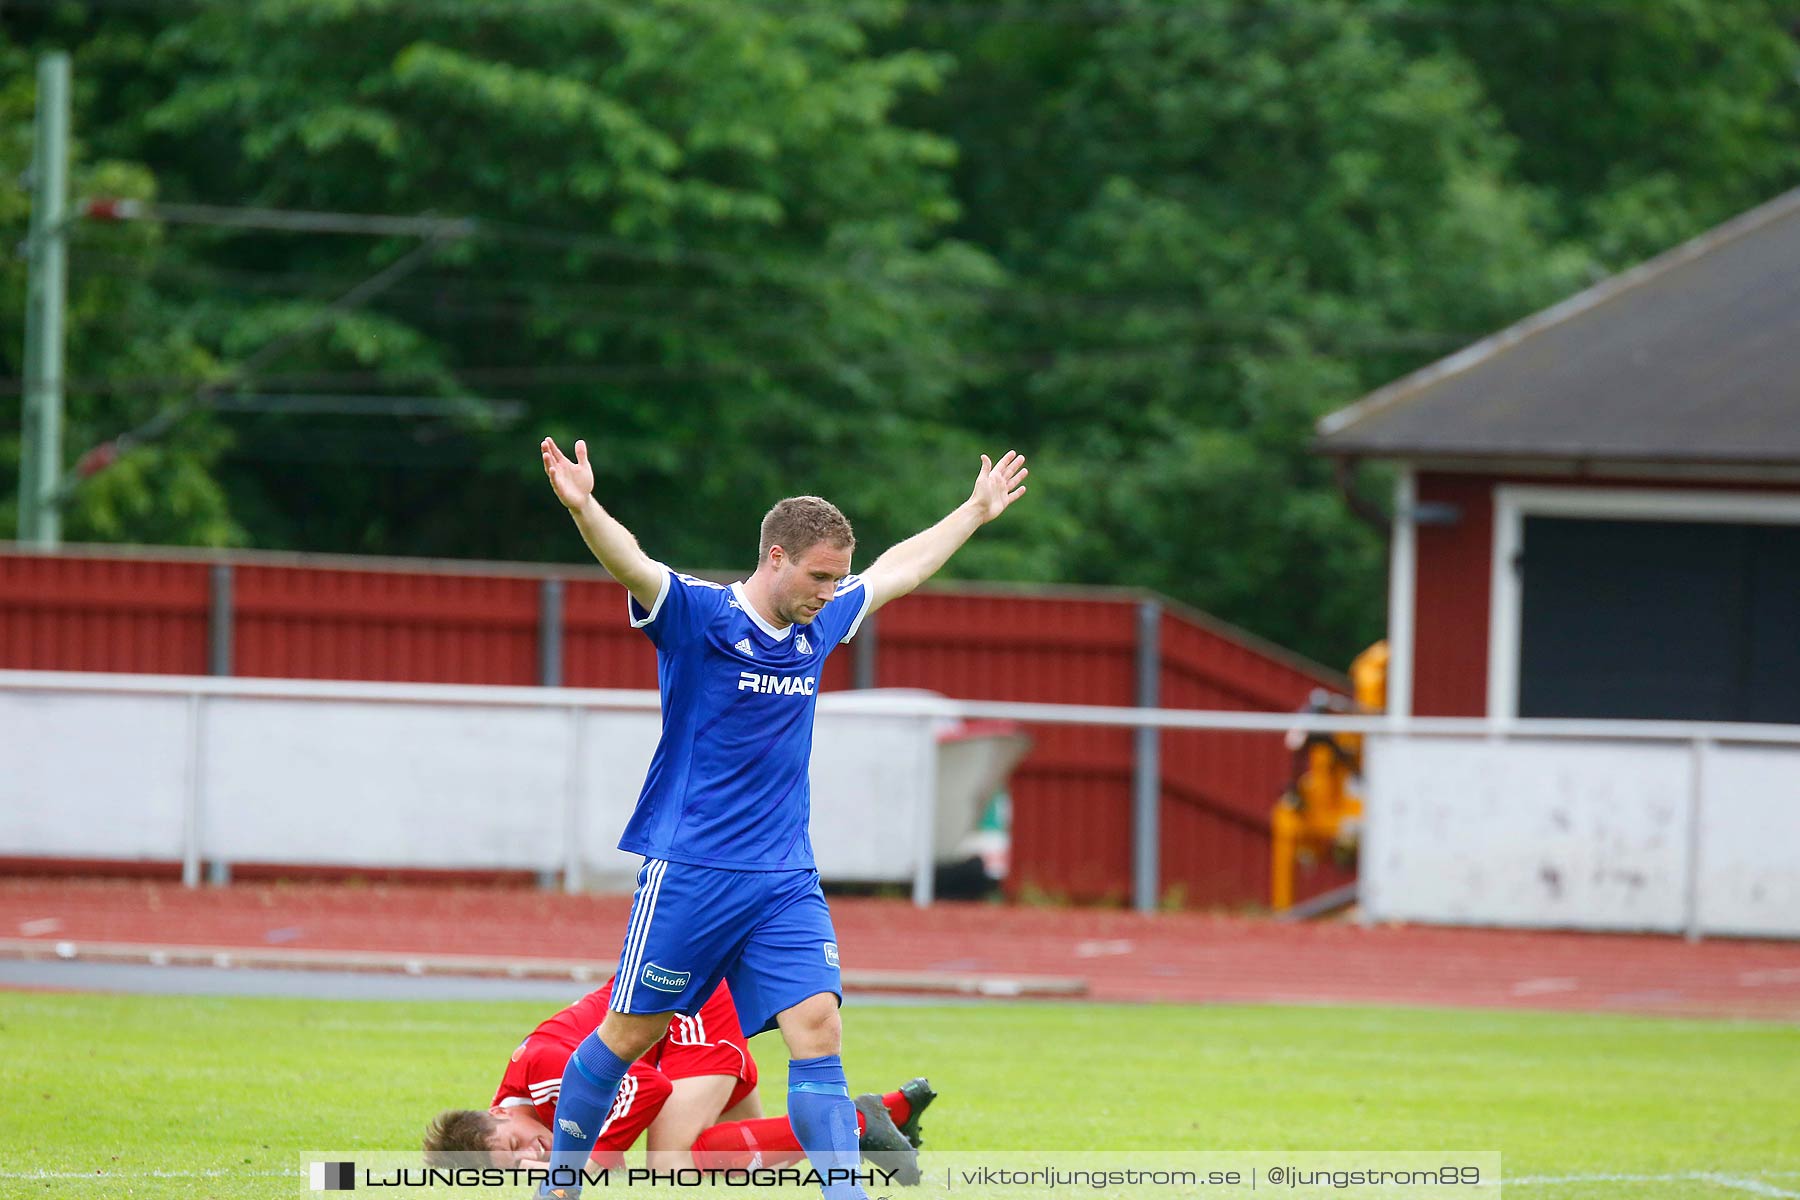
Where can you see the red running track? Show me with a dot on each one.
(1177, 958)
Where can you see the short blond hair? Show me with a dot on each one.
(799, 523)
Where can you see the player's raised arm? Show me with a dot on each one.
(908, 564)
(611, 542)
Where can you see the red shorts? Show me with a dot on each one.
(641, 1096)
(708, 1043)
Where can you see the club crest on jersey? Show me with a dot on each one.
(743, 647)
(665, 980)
(804, 645)
(831, 959)
(776, 685)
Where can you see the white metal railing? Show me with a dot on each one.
(917, 704)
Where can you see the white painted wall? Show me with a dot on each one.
(85, 776)
(1555, 832)
(344, 774)
(370, 784)
(873, 782)
(1748, 857)
(1663, 826)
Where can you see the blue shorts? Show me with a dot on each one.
(766, 933)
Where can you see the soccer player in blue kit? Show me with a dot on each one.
(728, 889)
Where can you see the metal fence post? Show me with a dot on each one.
(220, 621)
(1146, 775)
(1702, 748)
(863, 651)
(550, 674)
(924, 884)
(550, 633)
(190, 815)
(572, 824)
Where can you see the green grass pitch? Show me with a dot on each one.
(184, 1097)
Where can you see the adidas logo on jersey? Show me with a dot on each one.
(804, 645)
(743, 647)
(775, 685)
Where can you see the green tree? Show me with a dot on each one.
(1234, 219)
(754, 247)
(1648, 121)
(704, 244)
(747, 307)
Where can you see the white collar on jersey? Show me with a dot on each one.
(780, 635)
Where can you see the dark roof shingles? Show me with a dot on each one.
(1695, 362)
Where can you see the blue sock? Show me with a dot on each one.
(824, 1120)
(589, 1083)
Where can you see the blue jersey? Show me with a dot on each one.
(728, 785)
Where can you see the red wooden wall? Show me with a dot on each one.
(308, 623)
(1072, 796)
(1218, 787)
(379, 619)
(1450, 611)
(62, 614)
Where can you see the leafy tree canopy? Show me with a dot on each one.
(754, 247)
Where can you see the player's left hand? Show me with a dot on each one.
(997, 485)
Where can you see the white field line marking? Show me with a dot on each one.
(1739, 1182)
(105, 1175)
(1755, 1186)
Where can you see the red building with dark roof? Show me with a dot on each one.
(1598, 509)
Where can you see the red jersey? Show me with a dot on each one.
(536, 1070)
(708, 1043)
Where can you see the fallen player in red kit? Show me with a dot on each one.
(692, 1096)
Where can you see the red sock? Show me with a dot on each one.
(735, 1144)
(898, 1108)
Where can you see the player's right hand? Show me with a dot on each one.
(573, 482)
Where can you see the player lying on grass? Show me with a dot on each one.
(692, 1096)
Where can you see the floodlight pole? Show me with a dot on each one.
(40, 458)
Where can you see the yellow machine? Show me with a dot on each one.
(1321, 812)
